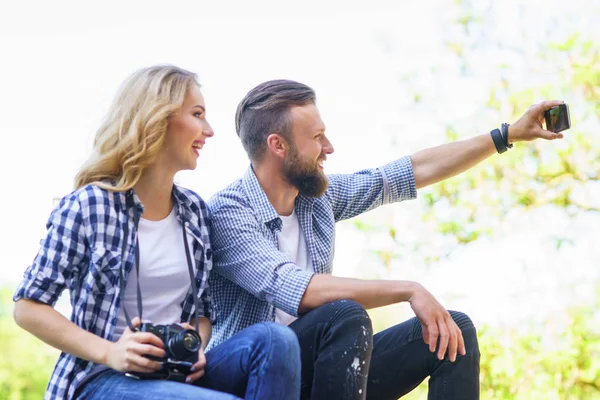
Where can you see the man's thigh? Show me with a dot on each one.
(335, 342)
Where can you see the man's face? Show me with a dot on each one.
(308, 149)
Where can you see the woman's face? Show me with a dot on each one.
(187, 132)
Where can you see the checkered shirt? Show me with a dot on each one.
(82, 251)
(252, 277)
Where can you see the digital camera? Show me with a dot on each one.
(181, 347)
(558, 118)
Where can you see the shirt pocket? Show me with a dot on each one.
(103, 273)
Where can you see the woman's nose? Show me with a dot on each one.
(208, 131)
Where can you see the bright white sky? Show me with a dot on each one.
(62, 61)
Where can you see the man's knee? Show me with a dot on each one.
(462, 320)
(347, 317)
(469, 333)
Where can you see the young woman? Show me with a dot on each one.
(127, 242)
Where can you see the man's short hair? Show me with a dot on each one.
(265, 110)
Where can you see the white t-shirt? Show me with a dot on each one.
(164, 276)
(291, 241)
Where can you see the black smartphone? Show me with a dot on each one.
(557, 118)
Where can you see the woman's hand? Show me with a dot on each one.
(127, 354)
(198, 367)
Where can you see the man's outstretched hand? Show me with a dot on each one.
(437, 324)
(529, 126)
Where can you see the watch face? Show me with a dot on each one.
(557, 118)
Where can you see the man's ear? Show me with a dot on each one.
(277, 145)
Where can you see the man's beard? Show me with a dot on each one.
(305, 174)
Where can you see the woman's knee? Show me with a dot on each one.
(276, 338)
(282, 334)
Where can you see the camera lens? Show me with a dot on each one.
(190, 342)
(184, 344)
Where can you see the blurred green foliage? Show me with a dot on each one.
(560, 175)
(544, 362)
(25, 362)
(535, 174)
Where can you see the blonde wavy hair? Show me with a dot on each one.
(133, 131)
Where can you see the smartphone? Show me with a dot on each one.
(557, 118)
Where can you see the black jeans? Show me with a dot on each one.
(342, 359)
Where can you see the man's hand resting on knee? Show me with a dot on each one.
(437, 324)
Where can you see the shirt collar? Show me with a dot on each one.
(182, 202)
(187, 216)
(181, 198)
(259, 201)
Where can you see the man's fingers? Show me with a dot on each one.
(453, 340)
(425, 334)
(548, 104)
(549, 135)
(538, 109)
(444, 338)
(433, 338)
(461, 343)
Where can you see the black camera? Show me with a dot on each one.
(181, 347)
(558, 118)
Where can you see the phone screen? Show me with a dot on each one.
(557, 118)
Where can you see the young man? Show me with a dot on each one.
(273, 240)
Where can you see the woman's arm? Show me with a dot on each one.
(205, 331)
(52, 327)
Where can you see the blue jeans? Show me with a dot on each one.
(260, 362)
(342, 359)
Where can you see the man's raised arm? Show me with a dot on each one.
(441, 162)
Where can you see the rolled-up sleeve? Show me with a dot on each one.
(245, 255)
(207, 309)
(60, 252)
(398, 181)
(354, 194)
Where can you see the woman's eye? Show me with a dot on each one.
(198, 114)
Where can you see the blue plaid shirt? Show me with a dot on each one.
(252, 276)
(82, 251)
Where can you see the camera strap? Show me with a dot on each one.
(137, 270)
